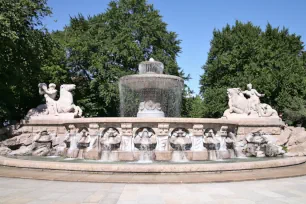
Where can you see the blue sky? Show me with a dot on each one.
(194, 21)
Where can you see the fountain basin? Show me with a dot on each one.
(164, 90)
(91, 166)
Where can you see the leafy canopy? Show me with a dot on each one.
(102, 48)
(24, 46)
(272, 60)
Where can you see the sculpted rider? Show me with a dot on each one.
(49, 94)
(253, 100)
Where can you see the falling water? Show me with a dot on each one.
(179, 154)
(222, 144)
(150, 84)
(107, 154)
(213, 153)
(232, 153)
(73, 146)
(145, 154)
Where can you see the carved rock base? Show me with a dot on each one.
(163, 155)
(200, 156)
(109, 156)
(151, 114)
(92, 155)
(125, 156)
(72, 153)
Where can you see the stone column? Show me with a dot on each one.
(93, 151)
(126, 145)
(162, 149)
(199, 152)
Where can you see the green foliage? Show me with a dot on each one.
(102, 48)
(272, 60)
(24, 46)
(193, 107)
(285, 148)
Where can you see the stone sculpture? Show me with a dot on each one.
(84, 139)
(111, 139)
(226, 139)
(253, 98)
(149, 108)
(63, 107)
(145, 139)
(260, 144)
(247, 104)
(71, 140)
(210, 140)
(50, 95)
(42, 143)
(180, 140)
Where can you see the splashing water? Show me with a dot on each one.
(73, 146)
(145, 154)
(222, 144)
(179, 155)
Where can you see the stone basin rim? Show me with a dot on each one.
(157, 168)
(150, 76)
(245, 122)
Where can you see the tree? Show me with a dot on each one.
(272, 60)
(102, 48)
(24, 47)
(193, 106)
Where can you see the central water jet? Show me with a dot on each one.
(150, 93)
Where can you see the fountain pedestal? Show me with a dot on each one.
(200, 155)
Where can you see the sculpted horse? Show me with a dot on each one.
(63, 105)
(239, 106)
(237, 102)
(65, 102)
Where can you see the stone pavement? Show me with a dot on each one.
(280, 191)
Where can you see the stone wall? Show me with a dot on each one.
(88, 138)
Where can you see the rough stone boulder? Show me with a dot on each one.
(24, 139)
(22, 151)
(273, 150)
(296, 150)
(10, 131)
(5, 150)
(283, 138)
(298, 136)
(10, 142)
(41, 151)
(260, 144)
(296, 141)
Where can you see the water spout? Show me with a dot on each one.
(145, 154)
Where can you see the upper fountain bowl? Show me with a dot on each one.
(151, 67)
(151, 93)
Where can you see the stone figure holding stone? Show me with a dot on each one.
(50, 95)
(246, 104)
(253, 98)
(63, 107)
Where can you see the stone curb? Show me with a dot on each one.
(216, 177)
(156, 168)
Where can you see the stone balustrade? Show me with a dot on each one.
(89, 138)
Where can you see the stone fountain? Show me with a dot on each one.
(150, 93)
(150, 128)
